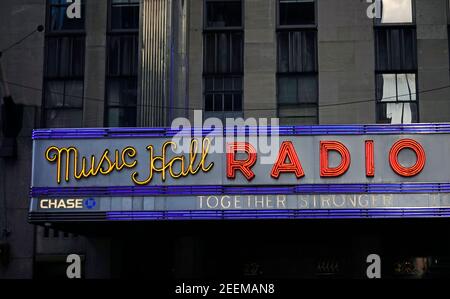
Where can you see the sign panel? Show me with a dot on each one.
(334, 168)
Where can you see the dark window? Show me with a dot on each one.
(297, 51)
(123, 55)
(223, 93)
(223, 14)
(122, 64)
(223, 52)
(65, 56)
(396, 49)
(124, 14)
(64, 81)
(297, 79)
(223, 58)
(64, 67)
(63, 103)
(296, 12)
(57, 19)
(122, 101)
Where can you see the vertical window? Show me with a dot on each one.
(223, 58)
(297, 76)
(64, 67)
(122, 64)
(396, 64)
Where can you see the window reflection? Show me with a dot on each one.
(397, 98)
(396, 11)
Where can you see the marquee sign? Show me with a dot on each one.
(314, 171)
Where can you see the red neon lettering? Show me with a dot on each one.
(242, 165)
(325, 170)
(287, 151)
(370, 159)
(418, 150)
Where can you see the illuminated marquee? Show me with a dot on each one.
(143, 171)
(286, 162)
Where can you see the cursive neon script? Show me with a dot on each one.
(68, 158)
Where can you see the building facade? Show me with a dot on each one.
(144, 63)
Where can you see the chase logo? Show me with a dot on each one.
(90, 203)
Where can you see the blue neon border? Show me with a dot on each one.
(240, 190)
(370, 129)
(279, 214)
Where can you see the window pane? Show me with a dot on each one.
(297, 89)
(283, 52)
(54, 94)
(65, 56)
(125, 14)
(209, 102)
(209, 84)
(228, 102)
(287, 90)
(74, 94)
(386, 88)
(122, 117)
(237, 106)
(223, 52)
(123, 55)
(406, 87)
(224, 14)
(297, 12)
(236, 52)
(218, 83)
(210, 53)
(396, 11)
(297, 51)
(307, 89)
(228, 83)
(237, 83)
(218, 102)
(64, 118)
(397, 113)
(122, 92)
(396, 49)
